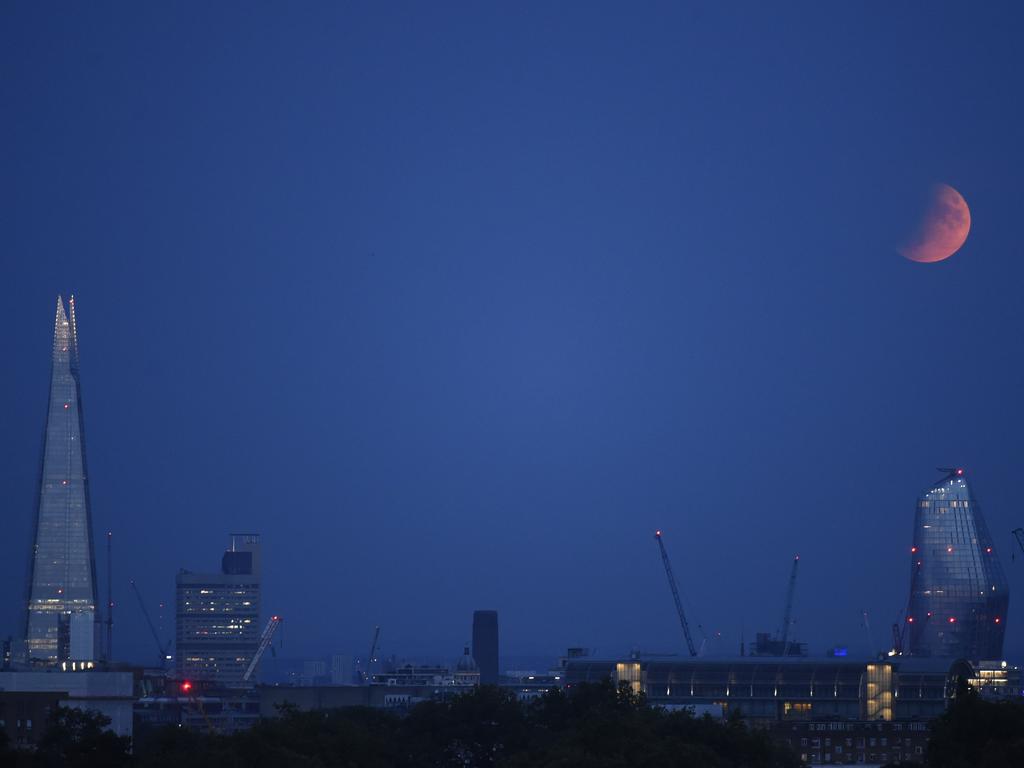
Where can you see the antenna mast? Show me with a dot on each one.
(110, 599)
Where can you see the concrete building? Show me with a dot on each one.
(854, 743)
(783, 689)
(217, 616)
(24, 714)
(110, 693)
(199, 706)
(380, 696)
(341, 669)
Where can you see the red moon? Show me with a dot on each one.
(943, 228)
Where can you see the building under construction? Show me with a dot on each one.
(766, 644)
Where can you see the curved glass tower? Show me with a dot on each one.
(958, 591)
(62, 599)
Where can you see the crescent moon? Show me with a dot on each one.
(943, 228)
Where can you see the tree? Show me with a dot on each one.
(974, 733)
(588, 726)
(80, 739)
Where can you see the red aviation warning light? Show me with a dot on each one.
(910, 619)
(952, 619)
(186, 686)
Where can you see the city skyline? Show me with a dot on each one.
(457, 306)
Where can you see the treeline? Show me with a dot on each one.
(974, 733)
(592, 725)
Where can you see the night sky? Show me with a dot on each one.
(456, 303)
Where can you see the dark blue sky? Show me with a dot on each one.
(456, 304)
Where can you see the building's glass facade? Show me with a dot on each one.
(62, 620)
(762, 689)
(958, 591)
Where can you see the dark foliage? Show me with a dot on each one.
(77, 739)
(975, 733)
(593, 725)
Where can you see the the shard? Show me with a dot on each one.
(958, 591)
(62, 599)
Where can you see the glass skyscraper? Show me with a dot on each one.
(958, 591)
(62, 603)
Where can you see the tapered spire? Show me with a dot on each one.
(74, 332)
(62, 597)
(61, 333)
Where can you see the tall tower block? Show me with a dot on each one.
(62, 595)
(485, 645)
(958, 591)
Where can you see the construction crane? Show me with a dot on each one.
(165, 650)
(675, 594)
(1018, 534)
(867, 631)
(265, 638)
(373, 650)
(188, 690)
(898, 634)
(787, 615)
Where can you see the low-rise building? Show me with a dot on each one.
(764, 690)
(109, 693)
(854, 742)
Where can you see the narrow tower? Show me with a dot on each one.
(958, 591)
(485, 645)
(62, 596)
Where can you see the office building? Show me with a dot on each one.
(217, 616)
(832, 742)
(485, 645)
(766, 690)
(341, 669)
(62, 621)
(958, 591)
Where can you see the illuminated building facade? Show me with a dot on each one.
(217, 616)
(958, 591)
(766, 690)
(62, 619)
